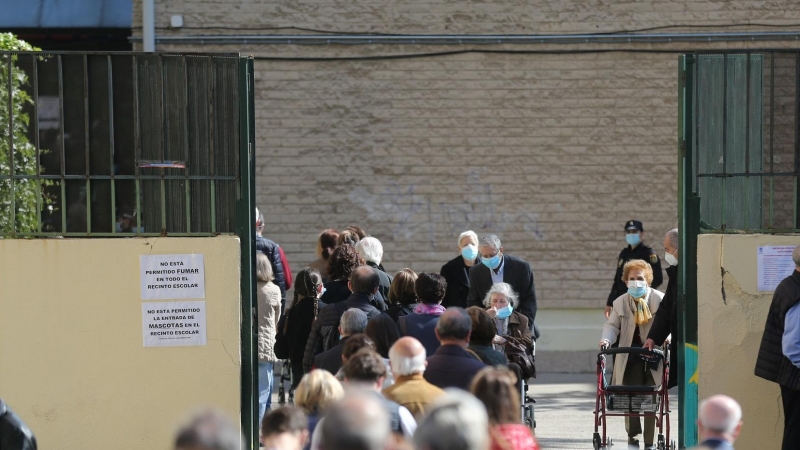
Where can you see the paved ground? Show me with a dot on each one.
(565, 412)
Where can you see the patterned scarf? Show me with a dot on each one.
(641, 310)
(425, 308)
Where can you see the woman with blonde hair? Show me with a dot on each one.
(269, 311)
(630, 319)
(316, 391)
(496, 388)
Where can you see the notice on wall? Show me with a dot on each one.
(173, 324)
(774, 264)
(172, 276)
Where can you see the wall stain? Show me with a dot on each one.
(722, 283)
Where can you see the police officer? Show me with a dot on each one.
(634, 233)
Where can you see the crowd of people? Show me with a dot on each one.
(356, 336)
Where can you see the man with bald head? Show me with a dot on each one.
(720, 422)
(452, 365)
(410, 389)
(779, 356)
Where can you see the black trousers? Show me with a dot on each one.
(791, 420)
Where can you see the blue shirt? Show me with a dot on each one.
(497, 277)
(791, 335)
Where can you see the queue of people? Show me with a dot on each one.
(398, 344)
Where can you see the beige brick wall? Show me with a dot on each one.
(553, 152)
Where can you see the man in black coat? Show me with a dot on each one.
(665, 322)
(273, 252)
(14, 434)
(497, 267)
(452, 365)
(324, 335)
(634, 233)
(456, 271)
(779, 355)
(353, 321)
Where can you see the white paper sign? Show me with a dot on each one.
(774, 264)
(172, 276)
(173, 324)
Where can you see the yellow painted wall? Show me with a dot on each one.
(730, 330)
(72, 364)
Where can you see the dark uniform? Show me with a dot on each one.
(642, 252)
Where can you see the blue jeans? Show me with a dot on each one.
(264, 389)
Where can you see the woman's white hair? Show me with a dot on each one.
(468, 233)
(370, 249)
(406, 365)
(501, 288)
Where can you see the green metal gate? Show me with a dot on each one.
(133, 144)
(739, 162)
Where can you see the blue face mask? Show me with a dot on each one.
(503, 313)
(323, 291)
(469, 252)
(633, 239)
(637, 289)
(493, 262)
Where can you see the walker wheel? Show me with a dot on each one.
(596, 441)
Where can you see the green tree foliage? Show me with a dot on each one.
(26, 192)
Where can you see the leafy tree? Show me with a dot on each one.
(24, 218)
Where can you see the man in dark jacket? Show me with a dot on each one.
(353, 321)
(634, 233)
(456, 271)
(779, 356)
(497, 267)
(14, 434)
(372, 251)
(452, 365)
(273, 252)
(363, 283)
(666, 321)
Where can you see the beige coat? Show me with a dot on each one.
(269, 311)
(620, 324)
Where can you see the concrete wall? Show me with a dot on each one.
(732, 313)
(72, 363)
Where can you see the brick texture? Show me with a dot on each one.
(552, 152)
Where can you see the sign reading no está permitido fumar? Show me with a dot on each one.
(172, 276)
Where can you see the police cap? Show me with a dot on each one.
(634, 225)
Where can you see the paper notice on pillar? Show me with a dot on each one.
(174, 324)
(172, 276)
(774, 264)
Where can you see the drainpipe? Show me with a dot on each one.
(148, 25)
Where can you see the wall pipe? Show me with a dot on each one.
(148, 25)
(445, 39)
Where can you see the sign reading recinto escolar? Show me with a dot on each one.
(172, 276)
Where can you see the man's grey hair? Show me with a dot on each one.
(357, 422)
(259, 221)
(403, 365)
(796, 256)
(468, 233)
(457, 421)
(672, 236)
(491, 240)
(209, 430)
(370, 249)
(353, 321)
(720, 414)
(501, 288)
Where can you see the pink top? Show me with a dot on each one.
(513, 436)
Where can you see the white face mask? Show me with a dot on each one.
(671, 260)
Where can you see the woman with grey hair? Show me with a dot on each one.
(501, 302)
